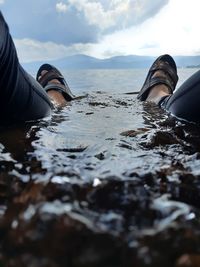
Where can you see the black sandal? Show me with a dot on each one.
(166, 64)
(54, 73)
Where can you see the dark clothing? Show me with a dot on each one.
(185, 102)
(21, 97)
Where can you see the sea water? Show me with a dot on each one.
(116, 178)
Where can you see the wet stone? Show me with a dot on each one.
(75, 192)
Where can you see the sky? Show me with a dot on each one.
(52, 29)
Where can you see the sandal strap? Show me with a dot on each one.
(160, 80)
(165, 67)
(62, 89)
(49, 76)
(166, 64)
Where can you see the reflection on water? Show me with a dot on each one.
(107, 181)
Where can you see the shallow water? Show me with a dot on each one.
(107, 181)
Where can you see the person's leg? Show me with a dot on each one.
(54, 83)
(56, 97)
(22, 98)
(184, 103)
(158, 92)
(161, 80)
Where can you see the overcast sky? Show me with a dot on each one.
(50, 29)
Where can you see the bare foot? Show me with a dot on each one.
(57, 98)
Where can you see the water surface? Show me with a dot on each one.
(107, 181)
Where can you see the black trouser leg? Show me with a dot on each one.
(185, 102)
(21, 97)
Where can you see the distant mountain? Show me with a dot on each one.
(118, 62)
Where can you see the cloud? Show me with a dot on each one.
(166, 32)
(118, 14)
(95, 13)
(75, 21)
(41, 22)
(60, 7)
(31, 50)
(2, 2)
(57, 28)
